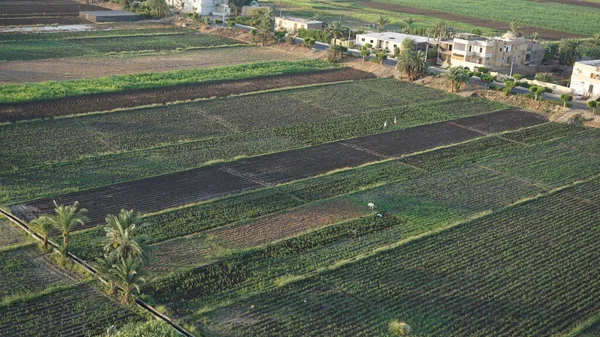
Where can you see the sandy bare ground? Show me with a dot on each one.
(90, 67)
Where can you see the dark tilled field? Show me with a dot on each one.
(110, 101)
(157, 193)
(152, 194)
(297, 164)
(397, 143)
(22, 13)
(527, 30)
(20, 21)
(501, 121)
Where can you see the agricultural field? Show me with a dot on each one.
(36, 293)
(47, 12)
(81, 46)
(548, 18)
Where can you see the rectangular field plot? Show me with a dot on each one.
(297, 164)
(75, 312)
(25, 271)
(33, 50)
(502, 121)
(397, 143)
(544, 133)
(202, 248)
(501, 275)
(442, 197)
(11, 235)
(152, 194)
(554, 163)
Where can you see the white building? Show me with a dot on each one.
(585, 79)
(203, 7)
(292, 24)
(389, 40)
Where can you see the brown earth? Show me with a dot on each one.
(527, 30)
(133, 98)
(90, 67)
(13, 13)
(284, 225)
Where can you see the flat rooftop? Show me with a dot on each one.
(594, 63)
(109, 13)
(295, 19)
(396, 37)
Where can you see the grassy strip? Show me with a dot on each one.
(16, 93)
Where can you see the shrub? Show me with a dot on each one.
(518, 77)
(577, 119)
(398, 328)
(483, 70)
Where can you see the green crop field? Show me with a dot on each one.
(98, 44)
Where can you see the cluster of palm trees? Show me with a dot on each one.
(125, 253)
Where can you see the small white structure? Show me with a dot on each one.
(292, 24)
(389, 40)
(585, 79)
(203, 7)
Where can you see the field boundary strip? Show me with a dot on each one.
(93, 271)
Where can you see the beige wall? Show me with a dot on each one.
(586, 79)
(493, 53)
(292, 26)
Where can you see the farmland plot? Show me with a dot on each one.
(508, 266)
(10, 235)
(502, 121)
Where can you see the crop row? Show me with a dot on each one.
(33, 50)
(23, 271)
(544, 133)
(530, 267)
(74, 312)
(6, 37)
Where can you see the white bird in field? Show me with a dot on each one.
(395, 120)
(371, 206)
(385, 124)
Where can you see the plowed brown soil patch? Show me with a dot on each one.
(284, 225)
(527, 30)
(133, 98)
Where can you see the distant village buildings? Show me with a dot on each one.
(389, 40)
(292, 24)
(585, 79)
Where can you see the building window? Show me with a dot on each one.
(470, 47)
(371, 41)
(481, 50)
(363, 39)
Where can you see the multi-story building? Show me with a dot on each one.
(585, 79)
(389, 40)
(472, 51)
(292, 24)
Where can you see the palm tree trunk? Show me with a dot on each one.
(45, 245)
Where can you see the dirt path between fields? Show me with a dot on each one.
(133, 98)
(527, 30)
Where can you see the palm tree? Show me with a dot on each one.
(408, 22)
(42, 225)
(265, 24)
(104, 268)
(534, 36)
(440, 30)
(569, 50)
(456, 76)
(412, 64)
(595, 41)
(381, 21)
(67, 217)
(515, 28)
(122, 240)
(408, 45)
(129, 275)
(336, 29)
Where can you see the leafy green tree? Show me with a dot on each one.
(128, 273)
(413, 64)
(537, 91)
(487, 79)
(457, 76)
(476, 31)
(122, 239)
(566, 98)
(381, 21)
(545, 77)
(333, 53)
(336, 29)
(508, 87)
(365, 51)
(381, 55)
(396, 51)
(158, 8)
(266, 23)
(534, 36)
(309, 42)
(569, 50)
(593, 105)
(43, 226)
(440, 30)
(65, 218)
(408, 45)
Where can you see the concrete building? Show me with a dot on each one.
(585, 79)
(389, 40)
(292, 24)
(203, 7)
(472, 51)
